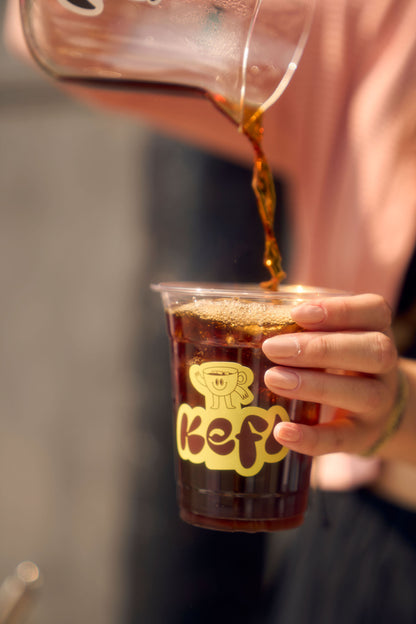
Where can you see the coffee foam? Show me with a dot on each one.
(238, 313)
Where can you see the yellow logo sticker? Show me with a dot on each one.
(229, 433)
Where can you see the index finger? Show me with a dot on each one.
(361, 312)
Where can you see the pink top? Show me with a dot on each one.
(347, 127)
(349, 113)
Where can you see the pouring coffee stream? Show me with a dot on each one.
(265, 194)
(251, 124)
(264, 190)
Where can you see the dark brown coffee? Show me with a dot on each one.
(231, 473)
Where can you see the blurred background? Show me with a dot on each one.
(70, 258)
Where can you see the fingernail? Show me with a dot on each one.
(308, 313)
(281, 346)
(288, 432)
(281, 380)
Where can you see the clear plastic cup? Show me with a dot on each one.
(231, 473)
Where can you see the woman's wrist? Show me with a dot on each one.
(396, 416)
(401, 445)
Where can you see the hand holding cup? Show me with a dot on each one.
(344, 359)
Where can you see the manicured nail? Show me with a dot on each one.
(309, 313)
(281, 346)
(281, 380)
(288, 432)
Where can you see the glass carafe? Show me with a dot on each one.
(240, 53)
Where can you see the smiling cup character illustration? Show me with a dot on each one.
(222, 382)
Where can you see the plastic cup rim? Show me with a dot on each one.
(252, 290)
